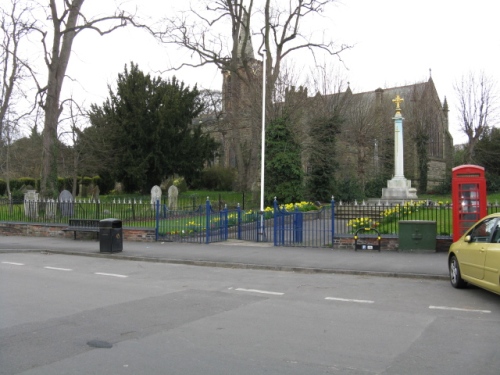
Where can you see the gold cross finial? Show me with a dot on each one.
(398, 100)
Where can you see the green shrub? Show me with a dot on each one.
(444, 188)
(19, 183)
(3, 187)
(86, 181)
(27, 181)
(96, 180)
(217, 178)
(181, 184)
(17, 194)
(492, 182)
(105, 181)
(348, 190)
(373, 188)
(64, 183)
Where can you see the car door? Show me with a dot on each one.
(492, 262)
(473, 253)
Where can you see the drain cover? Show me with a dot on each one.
(99, 344)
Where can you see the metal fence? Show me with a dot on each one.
(130, 212)
(385, 217)
(204, 222)
(202, 225)
(307, 229)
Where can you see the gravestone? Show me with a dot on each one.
(173, 193)
(255, 189)
(95, 193)
(118, 187)
(66, 203)
(155, 196)
(50, 209)
(84, 190)
(31, 204)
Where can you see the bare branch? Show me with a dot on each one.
(476, 96)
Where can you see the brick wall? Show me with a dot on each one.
(56, 230)
(389, 242)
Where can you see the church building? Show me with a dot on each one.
(365, 142)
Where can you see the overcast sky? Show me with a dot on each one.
(396, 42)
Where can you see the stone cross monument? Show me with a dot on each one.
(398, 188)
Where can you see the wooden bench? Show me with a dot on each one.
(83, 225)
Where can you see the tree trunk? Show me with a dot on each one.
(61, 52)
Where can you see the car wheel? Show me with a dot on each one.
(455, 276)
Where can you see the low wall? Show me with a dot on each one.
(388, 242)
(56, 230)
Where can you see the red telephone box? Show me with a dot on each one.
(468, 190)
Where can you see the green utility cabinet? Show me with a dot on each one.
(417, 235)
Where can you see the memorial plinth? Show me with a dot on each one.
(398, 188)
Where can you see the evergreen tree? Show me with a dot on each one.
(422, 145)
(322, 157)
(149, 131)
(284, 175)
(488, 151)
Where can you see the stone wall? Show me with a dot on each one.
(436, 173)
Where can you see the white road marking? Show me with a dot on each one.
(260, 291)
(349, 300)
(458, 309)
(13, 264)
(58, 269)
(110, 274)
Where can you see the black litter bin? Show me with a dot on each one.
(110, 236)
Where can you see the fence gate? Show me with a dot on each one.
(283, 228)
(202, 225)
(308, 229)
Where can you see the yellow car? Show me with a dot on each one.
(475, 257)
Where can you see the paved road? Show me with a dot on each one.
(89, 315)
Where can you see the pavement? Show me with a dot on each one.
(248, 255)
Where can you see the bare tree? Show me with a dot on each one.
(476, 109)
(360, 131)
(204, 33)
(14, 70)
(13, 29)
(77, 120)
(9, 130)
(212, 103)
(281, 35)
(67, 21)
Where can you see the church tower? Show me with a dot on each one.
(231, 89)
(241, 90)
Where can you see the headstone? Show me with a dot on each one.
(118, 187)
(173, 193)
(84, 190)
(31, 204)
(255, 189)
(155, 196)
(95, 193)
(66, 203)
(50, 209)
